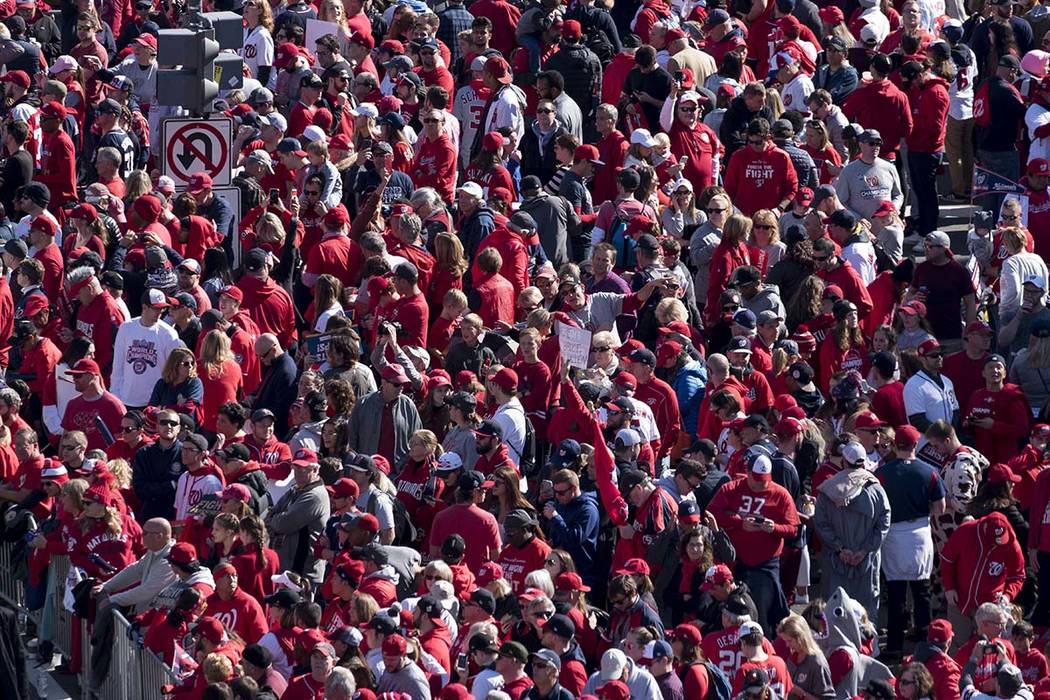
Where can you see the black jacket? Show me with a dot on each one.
(1007, 109)
(153, 477)
(583, 76)
(13, 683)
(733, 132)
(537, 160)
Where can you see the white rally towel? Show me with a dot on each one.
(907, 551)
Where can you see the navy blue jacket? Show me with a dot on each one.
(574, 528)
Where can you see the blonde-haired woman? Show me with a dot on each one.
(765, 235)
(258, 51)
(220, 376)
(806, 662)
(179, 388)
(818, 145)
(102, 523)
(1016, 268)
(732, 252)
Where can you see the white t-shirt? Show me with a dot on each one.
(511, 417)
(139, 355)
(258, 51)
(960, 92)
(922, 395)
(796, 92)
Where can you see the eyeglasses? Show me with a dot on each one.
(544, 111)
(540, 665)
(169, 423)
(903, 681)
(561, 492)
(1011, 217)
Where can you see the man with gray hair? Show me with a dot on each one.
(410, 245)
(372, 245)
(138, 585)
(299, 517)
(340, 684)
(98, 318)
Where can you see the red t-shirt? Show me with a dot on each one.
(722, 650)
(518, 562)
(304, 687)
(477, 527)
(81, 412)
(338, 256)
(888, 404)
(1011, 415)
(965, 373)
(412, 313)
(515, 689)
(51, 258)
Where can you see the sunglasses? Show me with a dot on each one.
(764, 227)
(186, 363)
(604, 348)
(756, 142)
(168, 423)
(716, 211)
(544, 111)
(934, 355)
(312, 193)
(731, 307)
(687, 109)
(431, 121)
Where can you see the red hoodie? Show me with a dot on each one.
(242, 613)
(929, 112)
(852, 286)
(976, 567)
(724, 260)
(760, 179)
(1011, 415)
(884, 297)
(710, 425)
(512, 252)
(880, 105)
(1027, 465)
(270, 306)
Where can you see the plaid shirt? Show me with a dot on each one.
(454, 20)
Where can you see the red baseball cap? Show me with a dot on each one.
(940, 631)
(588, 152)
(716, 576)
(571, 30)
(199, 182)
(45, 224)
(394, 645)
(237, 492)
(346, 488)
(86, 366)
(182, 553)
(866, 420)
(634, 567)
(85, 211)
(506, 379)
(18, 77)
(211, 629)
(570, 581)
(686, 633)
(147, 40)
(336, 217)
(978, 327)
(885, 207)
(928, 347)
(35, 303)
(999, 473)
(1039, 166)
(789, 426)
(490, 571)
(906, 437)
(498, 68)
(233, 292)
(1040, 430)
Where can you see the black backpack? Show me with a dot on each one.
(527, 462)
(404, 531)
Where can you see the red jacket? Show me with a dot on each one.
(929, 113)
(881, 105)
(512, 252)
(884, 297)
(976, 567)
(434, 165)
(495, 299)
(760, 179)
(504, 17)
(270, 306)
(1010, 416)
(945, 674)
(301, 117)
(1028, 465)
(662, 399)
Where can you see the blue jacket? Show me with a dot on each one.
(689, 383)
(574, 528)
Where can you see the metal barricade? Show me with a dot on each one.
(12, 587)
(153, 673)
(63, 619)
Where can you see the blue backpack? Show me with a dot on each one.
(616, 235)
(718, 685)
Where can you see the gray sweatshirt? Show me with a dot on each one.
(862, 187)
(408, 679)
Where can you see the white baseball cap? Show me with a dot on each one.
(747, 628)
(854, 454)
(628, 437)
(314, 133)
(643, 137)
(473, 189)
